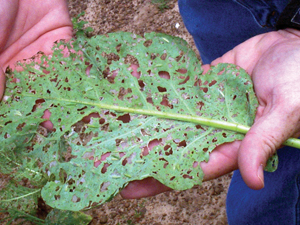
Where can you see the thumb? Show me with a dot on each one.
(265, 136)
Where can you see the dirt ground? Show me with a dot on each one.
(200, 205)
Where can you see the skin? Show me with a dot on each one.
(29, 27)
(272, 60)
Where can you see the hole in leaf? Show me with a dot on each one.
(103, 157)
(144, 133)
(118, 141)
(150, 146)
(124, 162)
(123, 92)
(167, 147)
(221, 72)
(182, 144)
(104, 168)
(75, 199)
(85, 107)
(141, 84)
(187, 176)
(212, 83)
(6, 135)
(105, 127)
(135, 72)
(20, 126)
(163, 56)
(199, 106)
(178, 58)
(164, 74)
(185, 80)
(71, 181)
(195, 164)
(182, 71)
(148, 43)
(247, 96)
(153, 56)
(124, 118)
(118, 47)
(89, 118)
(110, 57)
(205, 90)
(150, 100)
(63, 175)
(166, 102)
(101, 121)
(88, 69)
(8, 122)
(57, 197)
(67, 89)
(166, 164)
(104, 186)
(162, 89)
(88, 155)
(130, 59)
(168, 150)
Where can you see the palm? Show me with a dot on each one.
(29, 27)
(273, 62)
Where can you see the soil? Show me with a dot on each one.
(200, 205)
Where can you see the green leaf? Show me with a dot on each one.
(170, 104)
(57, 216)
(13, 195)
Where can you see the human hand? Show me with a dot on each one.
(273, 62)
(30, 26)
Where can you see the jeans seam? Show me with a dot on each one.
(298, 202)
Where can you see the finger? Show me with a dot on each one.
(247, 53)
(222, 160)
(265, 136)
(247, 61)
(205, 68)
(143, 188)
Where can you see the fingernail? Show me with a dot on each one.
(260, 174)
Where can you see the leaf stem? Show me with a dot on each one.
(236, 127)
(23, 196)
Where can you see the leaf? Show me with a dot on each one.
(16, 196)
(170, 106)
(67, 217)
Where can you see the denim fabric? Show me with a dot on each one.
(217, 26)
(266, 13)
(277, 203)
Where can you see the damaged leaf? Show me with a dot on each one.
(159, 121)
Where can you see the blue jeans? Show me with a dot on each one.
(217, 26)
